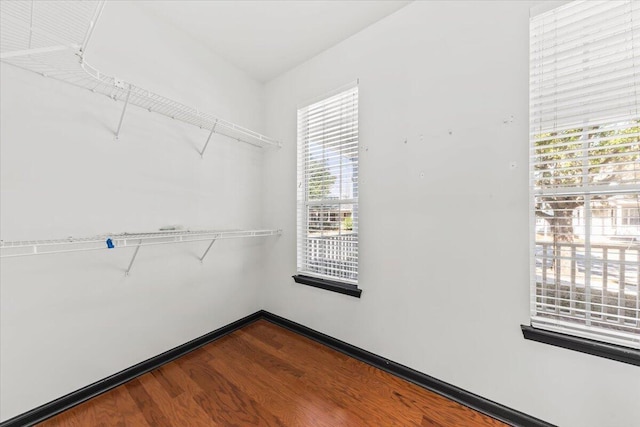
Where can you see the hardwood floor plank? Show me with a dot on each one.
(184, 412)
(172, 388)
(127, 408)
(397, 392)
(339, 386)
(148, 406)
(113, 408)
(177, 376)
(274, 362)
(428, 422)
(265, 375)
(79, 416)
(222, 400)
(107, 413)
(285, 398)
(327, 377)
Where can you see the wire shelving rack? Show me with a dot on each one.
(50, 38)
(125, 240)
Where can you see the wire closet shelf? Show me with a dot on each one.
(123, 240)
(50, 38)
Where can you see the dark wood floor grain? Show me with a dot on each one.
(264, 375)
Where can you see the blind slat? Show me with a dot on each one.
(585, 170)
(328, 188)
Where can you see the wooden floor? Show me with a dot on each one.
(268, 376)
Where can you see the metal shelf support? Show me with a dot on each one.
(207, 251)
(213, 129)
(124, 109)
(133, 258)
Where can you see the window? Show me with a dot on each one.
(328, 190)
(585, 171)
(631, 217)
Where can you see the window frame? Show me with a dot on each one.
(305, 202)
(557, 334)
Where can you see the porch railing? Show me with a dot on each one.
(609, 292)
(333, 255)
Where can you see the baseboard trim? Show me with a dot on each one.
(473, 401)
(466, 398)
(74, 398)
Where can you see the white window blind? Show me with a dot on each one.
(328, 188)
(585, 170)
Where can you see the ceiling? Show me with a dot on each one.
(267, 38)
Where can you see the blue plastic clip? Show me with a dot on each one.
(110, 244)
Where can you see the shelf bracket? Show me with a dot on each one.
(213, 129)
(124, 109)
(133, 258)
(207, 251)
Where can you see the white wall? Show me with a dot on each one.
(443, 258)
(442, 75)
(71, 319)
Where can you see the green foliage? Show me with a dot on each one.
(320, 180)
(347, 223)
(612, 155)
(587, 156)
